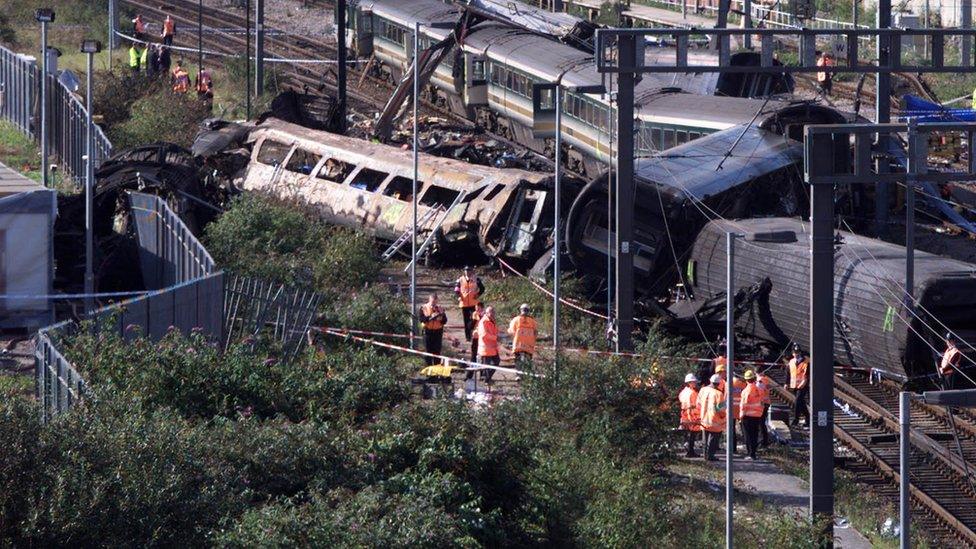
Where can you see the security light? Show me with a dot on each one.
(91, 46)
(44, 15)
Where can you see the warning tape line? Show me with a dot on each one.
(72, 296)
(350, 331)
(550, 294)
(471, 366)
(222, 54)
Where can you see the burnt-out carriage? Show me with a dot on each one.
(872, 327)
(367, 185)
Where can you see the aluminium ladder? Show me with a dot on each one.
(433, 231)
(405, 237)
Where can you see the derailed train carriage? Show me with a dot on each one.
(489, 79)
(741, 172)
(367, 185)
(872, 327)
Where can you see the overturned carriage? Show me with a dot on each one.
(461, 207)
(873, 329)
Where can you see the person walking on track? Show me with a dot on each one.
(433, 319)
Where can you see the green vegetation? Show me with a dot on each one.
(19, 152)
(180, 446)
(159, 115)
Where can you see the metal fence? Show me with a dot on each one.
(18, 90)
(67, 121)
(168, 251)
(253, 307)
(193, 299)
(19, 101)
(57, 384)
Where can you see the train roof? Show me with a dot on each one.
(529, 17)
(691, 169)
(408, 13)
(357, 151)
(883, 259)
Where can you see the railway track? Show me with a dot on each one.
(943, 502)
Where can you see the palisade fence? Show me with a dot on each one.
(20, 91)
(192, 296)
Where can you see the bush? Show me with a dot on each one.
(266, 238)
(160, 115)
(195, 379)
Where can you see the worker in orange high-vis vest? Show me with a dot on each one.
(750, 413)
(737, 386)
(169, 29)
(181, 79)
(522, 328)
(690, 418)
(763, 384)
(488, 343)
(479, 311)
(711, 411)
(798, 385)
(433, 319)
(950, 362)
(468, 289)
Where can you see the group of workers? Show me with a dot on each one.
(703, 412)
(480, 328)
(155, 59)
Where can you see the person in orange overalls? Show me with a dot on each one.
(750, 413)
(488, 343)
(762, 383)
(468, 289)
(711, 411)
(479, 311)
(523, 330)
(169, 29)
(949, 363)
(690, 418)
(181, 79)
(798, 385)
(433, 319)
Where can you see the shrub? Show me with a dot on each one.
(264, 237)
(160, 115)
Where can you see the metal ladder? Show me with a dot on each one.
(405, 237)
(433, 231)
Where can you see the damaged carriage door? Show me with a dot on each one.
(360, 20)
(543, 111)
(523, 235)
(475, 80)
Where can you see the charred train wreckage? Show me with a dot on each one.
(351, 182)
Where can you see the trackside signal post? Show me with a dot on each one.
(621, 52)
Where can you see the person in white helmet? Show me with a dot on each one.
(690, 420)
(711, 410)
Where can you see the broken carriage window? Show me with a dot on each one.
(494, 192)
(335, 171)
(272, 152)
(441, 196)
(478, 69)
(368, 180)
(401, 188)
(302, 162)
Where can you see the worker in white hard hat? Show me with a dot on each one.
(690, 420)
(711, 410)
